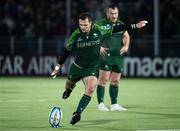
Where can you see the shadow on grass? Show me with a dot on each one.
(95, 125)
(167, 115)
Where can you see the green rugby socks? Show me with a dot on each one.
(100, 93)
(113, 91)
(83, 103)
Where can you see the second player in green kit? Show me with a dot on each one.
(111, 64)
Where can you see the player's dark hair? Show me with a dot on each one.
(85, 15)
(112, 5)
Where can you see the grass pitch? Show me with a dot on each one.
(153, 104)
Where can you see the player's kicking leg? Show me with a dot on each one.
(69, 87)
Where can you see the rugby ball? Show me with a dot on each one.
(55, 117)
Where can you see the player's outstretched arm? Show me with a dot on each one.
(118, 28)
(141, 24)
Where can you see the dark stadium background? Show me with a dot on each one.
(32, 37)
(33, 34)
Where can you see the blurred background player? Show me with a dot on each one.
(86, 42)
(111, 64)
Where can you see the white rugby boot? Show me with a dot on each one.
(117, 107)
(102, 107)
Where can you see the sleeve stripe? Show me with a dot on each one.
(133, 26)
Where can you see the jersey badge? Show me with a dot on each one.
(79, 39)
(106, 27)
(95, 35)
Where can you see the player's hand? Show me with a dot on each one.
(141, 24)
(55, 71)
(123, 50)
(103, 51)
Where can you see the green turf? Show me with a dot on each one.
(153, 104)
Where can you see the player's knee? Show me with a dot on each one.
(114, 82)
(90, 90)
(103, 81)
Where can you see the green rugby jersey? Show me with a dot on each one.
(87, 45)
(113, 42)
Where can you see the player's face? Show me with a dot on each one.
(112, 14)
(85, 25)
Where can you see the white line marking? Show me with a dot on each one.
(27, 130)
(21, 101)
(50, 130)
(161, 130)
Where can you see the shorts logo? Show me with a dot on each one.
(93, 73)
(106, 66)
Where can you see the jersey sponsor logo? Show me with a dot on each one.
(88, 44)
